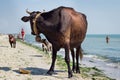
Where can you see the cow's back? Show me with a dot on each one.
(74, 26)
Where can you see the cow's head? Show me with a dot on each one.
(32, 18)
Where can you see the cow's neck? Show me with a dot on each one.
(45, 28)
(49, 30)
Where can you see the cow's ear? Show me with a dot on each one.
(25, 18)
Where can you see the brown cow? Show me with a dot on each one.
(64, 28)
(12, 41)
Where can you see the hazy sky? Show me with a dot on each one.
(103, 15)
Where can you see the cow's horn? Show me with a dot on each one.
(28, 11)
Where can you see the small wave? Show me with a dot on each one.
(115, 65)
(114, 59)
(91, 56)
(97, 57)
(112, 49)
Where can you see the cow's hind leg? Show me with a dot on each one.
(67, 60)
(73, 59)
(78, 52)
(54, 53)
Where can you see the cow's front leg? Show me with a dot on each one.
(54, 53)
(67, 60)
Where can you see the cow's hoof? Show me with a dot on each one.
(70, 75)
(73, 70)
(50, 72)
(77, 71)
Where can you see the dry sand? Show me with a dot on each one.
(23, 56)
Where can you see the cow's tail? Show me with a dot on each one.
(81, 55)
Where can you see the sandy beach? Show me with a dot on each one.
(29, 58)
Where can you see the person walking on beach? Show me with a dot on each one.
(22, 33)
(107, 39)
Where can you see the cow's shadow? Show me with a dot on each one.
(34, 71)
(5, 68)
(38, 71)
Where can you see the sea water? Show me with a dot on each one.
(96, 45)
(106, 56)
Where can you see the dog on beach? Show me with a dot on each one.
(12, 41)
(46, 46)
